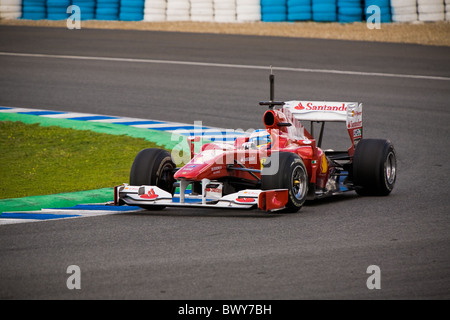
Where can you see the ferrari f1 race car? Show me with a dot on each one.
(277, 168)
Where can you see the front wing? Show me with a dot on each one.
(148, 196)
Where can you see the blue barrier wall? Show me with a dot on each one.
(107, 10)
(299, 10)
(344, 11)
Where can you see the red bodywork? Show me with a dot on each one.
(217, 161)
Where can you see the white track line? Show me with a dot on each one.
(226, 65)
(15, 221)
(67, 115)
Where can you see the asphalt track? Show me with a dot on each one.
(322, 252)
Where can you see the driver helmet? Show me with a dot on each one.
(259, 138)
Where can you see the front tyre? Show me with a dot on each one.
(374, 167)
(291, 174)
(153, 167)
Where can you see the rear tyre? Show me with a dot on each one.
(374, 167)
(153, 167)
(291, 175)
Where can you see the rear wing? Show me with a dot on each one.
(322, 111)
(350, 112)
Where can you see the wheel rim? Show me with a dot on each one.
(298, 183)
(390, 168)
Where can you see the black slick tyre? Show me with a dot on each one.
(374, 167)
(153, 167)
(291, 175)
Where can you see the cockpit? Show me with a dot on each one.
(257, 140)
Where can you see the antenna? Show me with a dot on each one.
(272, 85)
(271, 103)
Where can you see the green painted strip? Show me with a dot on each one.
(164, 139)
(56, 200)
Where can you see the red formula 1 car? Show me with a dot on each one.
(276, 168)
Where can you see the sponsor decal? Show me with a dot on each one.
(250, 159)
(131, 189)
(299, 106)
(324, 164)
(250, 192)
(149, 195)
(189, 168)
(356, 113)
(357, 133)
(310, 106)
(354, 118)
(214, 191)
(246, 200)
(354, 124)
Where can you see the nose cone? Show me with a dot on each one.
(190, 172)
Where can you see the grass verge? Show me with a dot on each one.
(42, 160)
